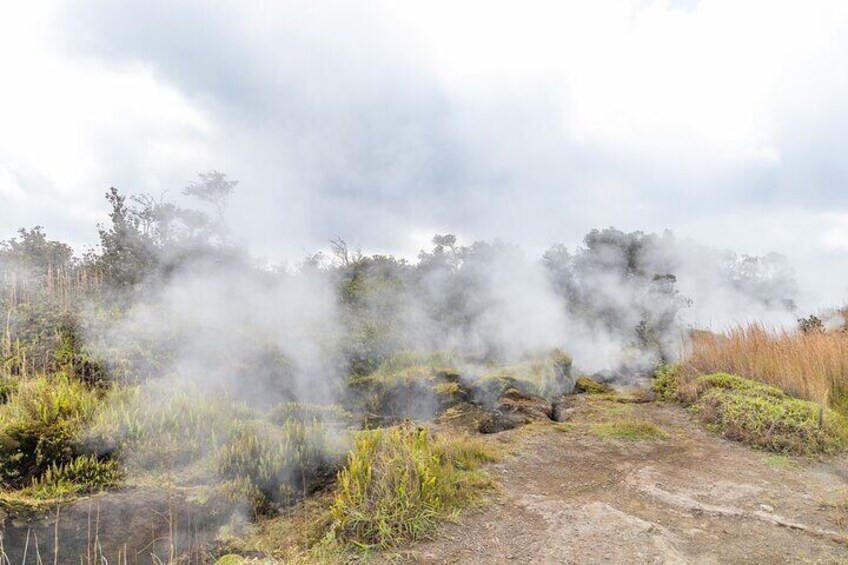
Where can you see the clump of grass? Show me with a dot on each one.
(765, 416)
(589, 386)
(812, 366)
(399, 482)
(305, 412)
(86, 473)
(629, 430)
(563, 427)
(274, 464)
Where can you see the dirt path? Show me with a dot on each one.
(572, 497)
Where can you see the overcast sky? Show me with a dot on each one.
(384, 122)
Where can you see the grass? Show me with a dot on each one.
(764, 416)
(780, 462)
(589, 386)
(400, 482)
(629, 430)
(274, 464)
(811, 366)
(40, 425)
(546, 375)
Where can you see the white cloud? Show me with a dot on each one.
(532, 122)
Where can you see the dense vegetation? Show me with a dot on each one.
(169, 352)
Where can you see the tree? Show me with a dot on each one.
(31, 250)
(128, 254)
(213, 188)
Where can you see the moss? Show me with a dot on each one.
(548, 376)
(666, 382)
(735, 383)
(629, 430)
(766, 417)
(589, 386)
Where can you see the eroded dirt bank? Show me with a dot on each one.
(569, 496)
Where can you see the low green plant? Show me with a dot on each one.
(267, 464)
(629, 430)
(40, 425)
(7, 387)
(764, 416)
(304, 412)
(85, 473)
(666, 382)
(399, 482)
(589, 386)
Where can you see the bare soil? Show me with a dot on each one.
(572, 497)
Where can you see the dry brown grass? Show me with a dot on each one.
(811, 366)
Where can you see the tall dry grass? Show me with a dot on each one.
(62, 286)
(812, 366)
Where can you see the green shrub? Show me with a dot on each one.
(766, 417)
(86, 473)
(40, 426)
(666, 382)
(8, 387)
(398, 482)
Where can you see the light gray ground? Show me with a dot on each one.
(571, 497)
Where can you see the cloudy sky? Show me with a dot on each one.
(384, 122)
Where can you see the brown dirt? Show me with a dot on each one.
(572, 497)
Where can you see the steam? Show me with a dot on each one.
(260, 336)
(620, 302)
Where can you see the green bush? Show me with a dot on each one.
(40, 425)
(766, 417)
(86, 473)
(666, 382)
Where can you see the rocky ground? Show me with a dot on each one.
(569, 495)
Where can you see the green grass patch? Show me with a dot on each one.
(780, 462)
(629, 430)
(766, 417)
(563, 427)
